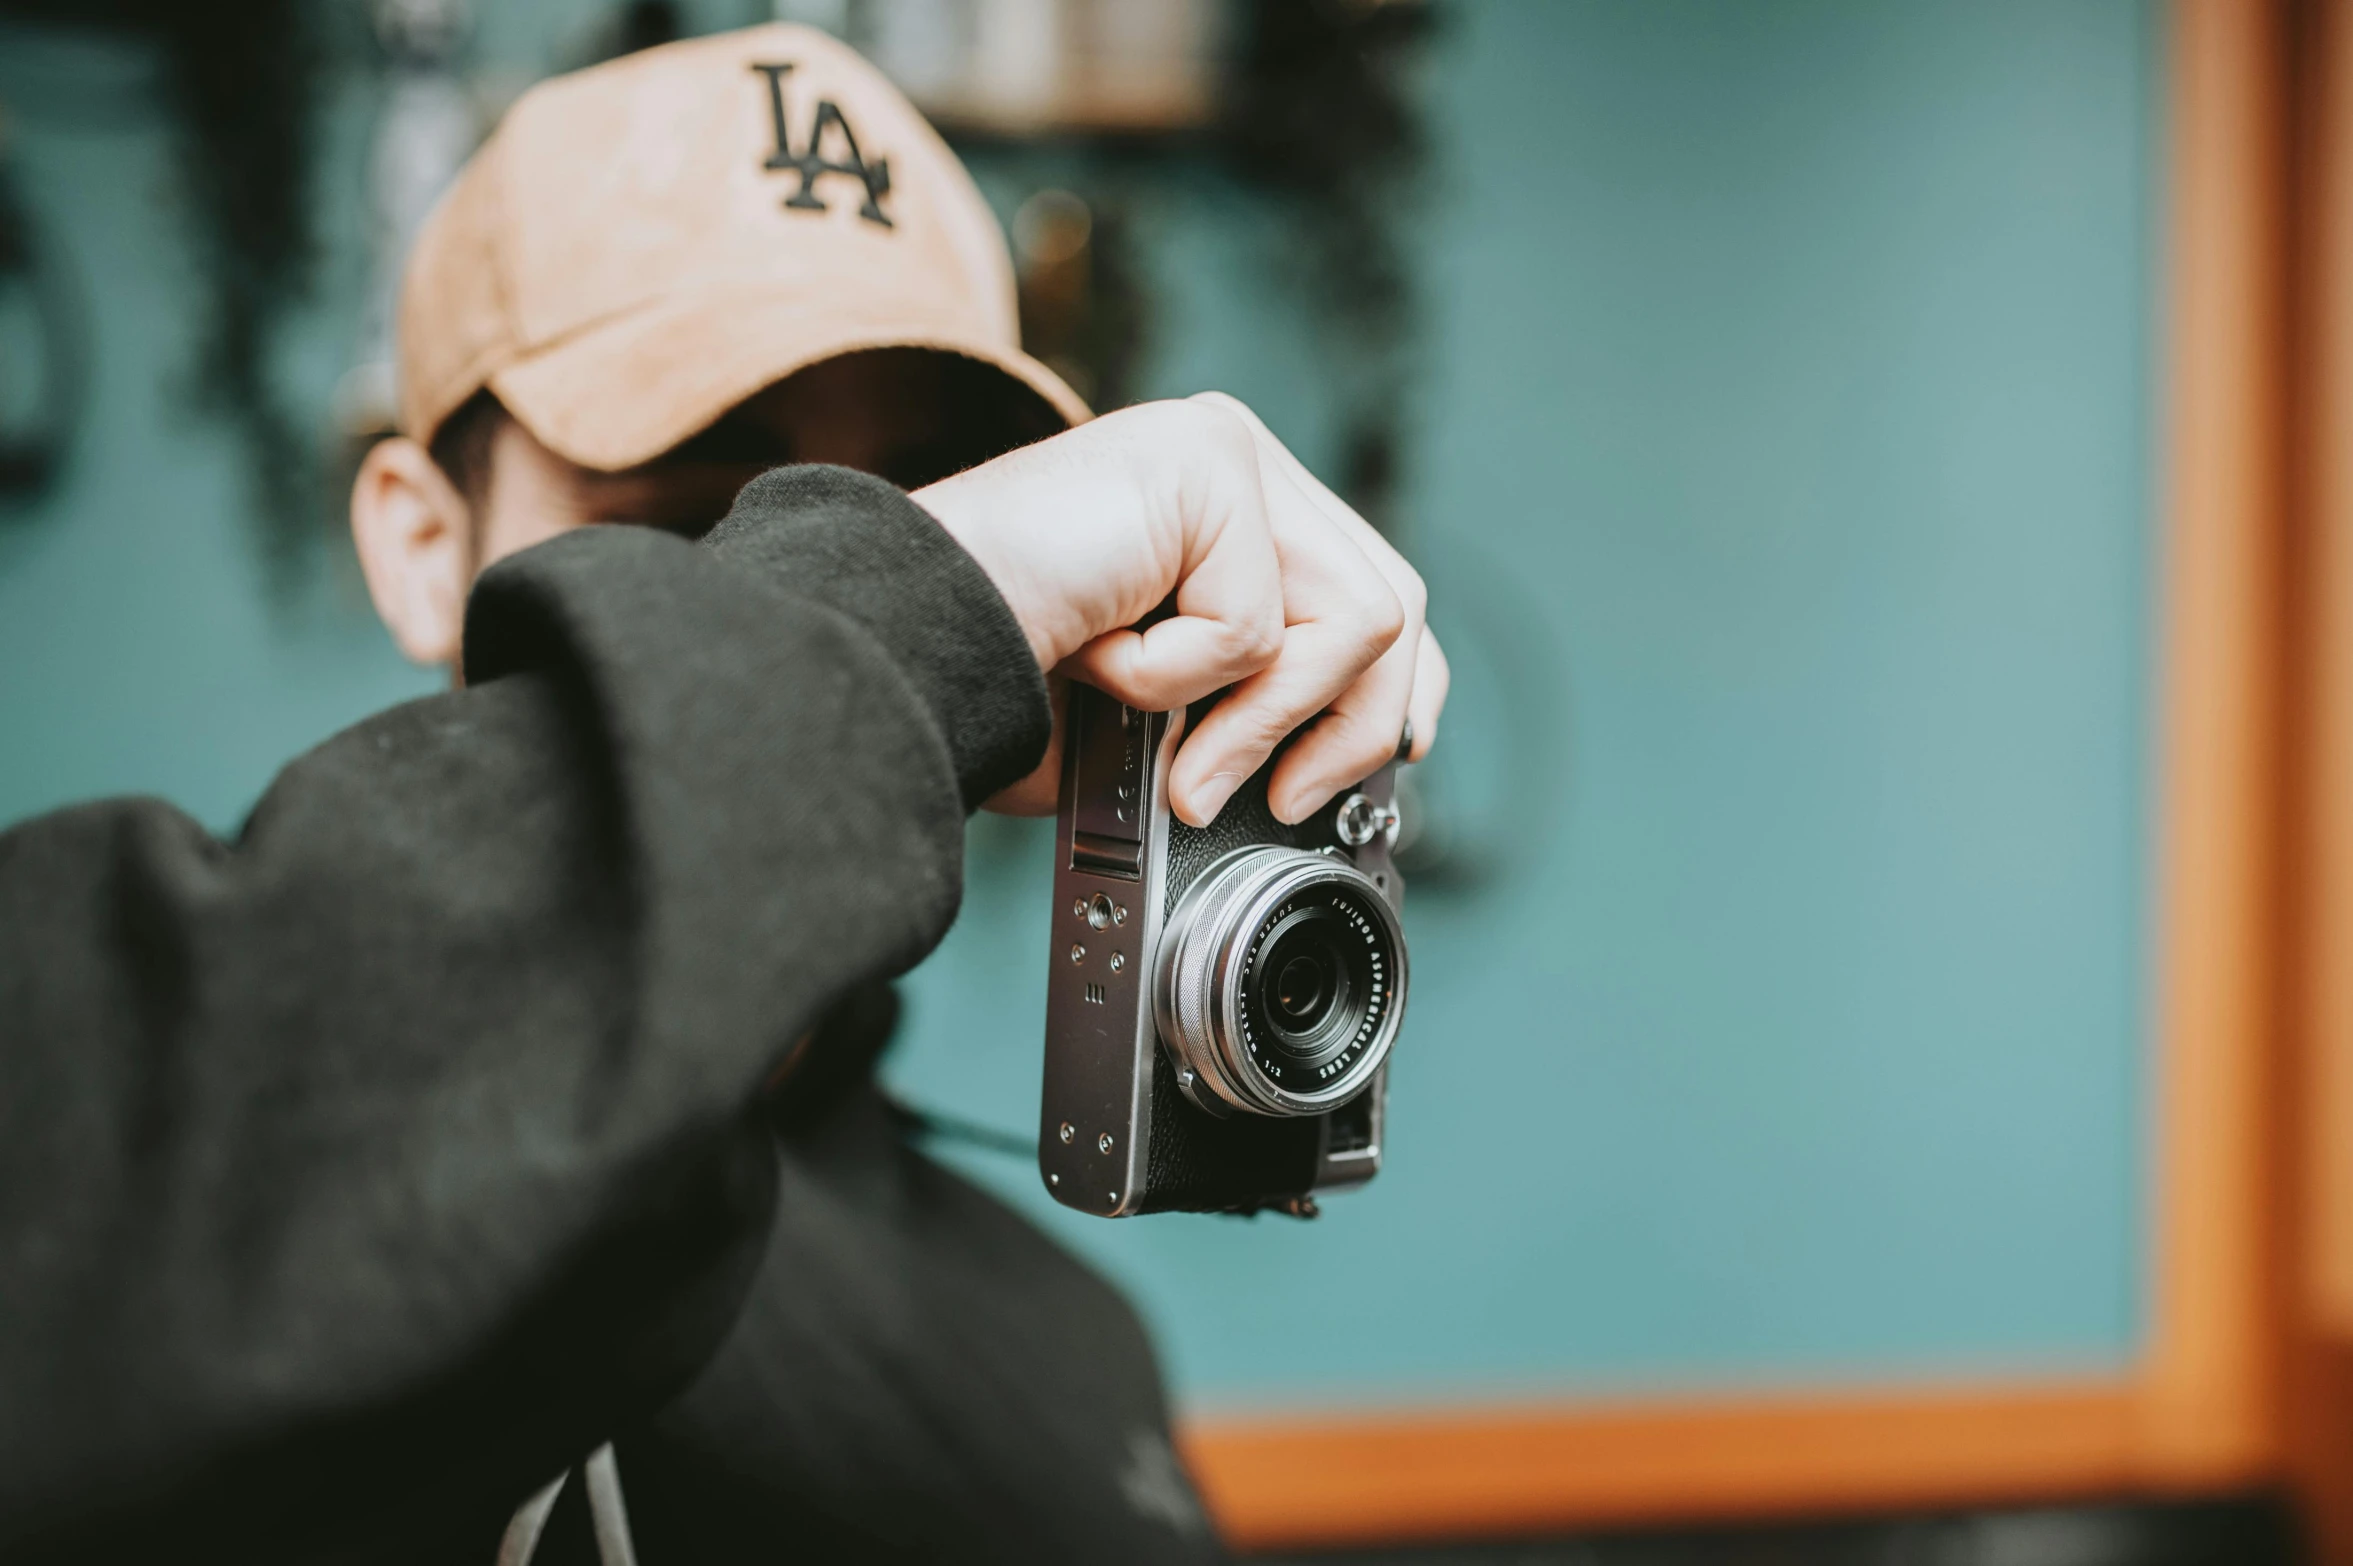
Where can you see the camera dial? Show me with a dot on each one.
(1281, 981)
(1359, 820)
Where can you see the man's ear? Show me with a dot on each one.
(416, 547)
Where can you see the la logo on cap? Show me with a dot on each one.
(810, 161)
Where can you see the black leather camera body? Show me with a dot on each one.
(1221, 1001)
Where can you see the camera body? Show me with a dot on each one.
(1220, 1002)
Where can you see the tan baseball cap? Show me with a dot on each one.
(641, 246)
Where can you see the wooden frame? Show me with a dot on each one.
(2314, 1093)
(2325, 991)
(2202, 1410)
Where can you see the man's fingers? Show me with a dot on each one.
(1353, 739)
(1343, 619)
(1228, 624)
(1282, 597)
(1177, 661)
(1237, 736)
(1360, 731)
(1432, 676)
(1403, 578)
(1356, 734)
(1405, 690)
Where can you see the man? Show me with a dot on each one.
(360, 1175)
(802, 272)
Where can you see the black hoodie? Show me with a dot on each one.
(360, 1173)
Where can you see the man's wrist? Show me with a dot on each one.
(861, 546)
(961, 511)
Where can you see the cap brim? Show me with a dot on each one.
(629, 388)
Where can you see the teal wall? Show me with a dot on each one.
(1784, 467)
(141, 647)
(1782, 476)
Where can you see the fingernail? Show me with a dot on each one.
(1303, 803)
(1211, 797)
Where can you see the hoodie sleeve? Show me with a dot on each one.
(399, 1146)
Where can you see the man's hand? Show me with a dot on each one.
(1279, 590)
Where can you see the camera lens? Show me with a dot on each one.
(1301, 988)
(1282, 980)
(1300, 979)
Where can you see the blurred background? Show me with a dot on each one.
(1790, 405)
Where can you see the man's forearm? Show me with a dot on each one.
(402, 1139)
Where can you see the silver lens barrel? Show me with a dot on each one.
(1281, 980)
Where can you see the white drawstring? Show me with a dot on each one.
(614, 1546)
(607, 1513)
(522, 1535)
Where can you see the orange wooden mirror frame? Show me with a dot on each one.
(2233, 1390)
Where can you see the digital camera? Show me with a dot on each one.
(1221, 1001)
